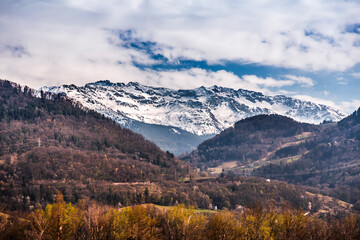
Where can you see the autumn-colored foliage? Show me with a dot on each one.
(182, 222)
(66, 221)
(57, 221)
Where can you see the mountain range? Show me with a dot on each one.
(179, 120)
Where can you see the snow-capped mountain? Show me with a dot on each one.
(201, 111)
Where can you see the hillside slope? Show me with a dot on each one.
(333, 161)
(323, 156)
(46, 143)
(253, 139)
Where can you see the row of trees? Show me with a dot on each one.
(223, 192)
(65, 221)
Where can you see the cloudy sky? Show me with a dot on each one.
(306, 49)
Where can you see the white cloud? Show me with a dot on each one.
(266, 32)
(64, 33)
(347, 107)
(317, 100)
(355, 75)
(350, 106)
(303, 81)
(342, 81)
(195, 77)
(267, 82)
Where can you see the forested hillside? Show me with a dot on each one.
(252, 139)
(46, 143)
(325, 157)
(332, 163)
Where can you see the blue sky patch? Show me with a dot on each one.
(353, 28)
(319, 37)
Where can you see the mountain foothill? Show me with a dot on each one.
(324, 158)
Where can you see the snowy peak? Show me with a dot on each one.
(202, 111)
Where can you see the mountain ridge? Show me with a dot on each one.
(203, 111)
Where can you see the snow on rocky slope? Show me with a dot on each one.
(201, 111)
